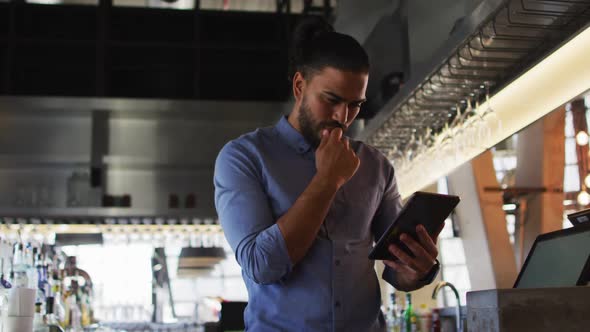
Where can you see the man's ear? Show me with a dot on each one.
(298, 86)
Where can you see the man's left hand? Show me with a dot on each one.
(411, 270)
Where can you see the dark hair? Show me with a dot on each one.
(315, 45)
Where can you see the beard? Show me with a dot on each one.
(312, 129)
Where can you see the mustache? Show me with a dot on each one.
(333, 125)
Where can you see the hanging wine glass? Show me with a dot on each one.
(408, 154)
(460, 126)
(428, 138)
(447, 151)
(493, 124)
(424, 150)
(397, 156)
(413, 147)
(472, 125)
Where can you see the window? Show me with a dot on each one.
(452, 257)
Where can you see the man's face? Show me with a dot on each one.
(331, 99)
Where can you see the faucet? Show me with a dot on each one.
(443, 284)
(54, 328)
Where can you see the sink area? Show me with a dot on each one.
(458, 314)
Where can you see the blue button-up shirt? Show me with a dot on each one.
(334, 287)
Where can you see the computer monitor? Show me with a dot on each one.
(558, 259)
(579, 217)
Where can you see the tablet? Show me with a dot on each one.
(428, 209)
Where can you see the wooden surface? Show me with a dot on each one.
(494, 221)
(541, 162)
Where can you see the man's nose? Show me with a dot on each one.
(340, 113)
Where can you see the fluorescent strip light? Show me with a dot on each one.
(45, 2)
(557, 79)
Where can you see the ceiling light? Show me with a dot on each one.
(583, 198)
(582, 138)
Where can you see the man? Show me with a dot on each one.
(301, 205)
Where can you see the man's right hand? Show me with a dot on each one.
(335, 160)
(336, 163)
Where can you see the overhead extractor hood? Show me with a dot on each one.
(487, 51)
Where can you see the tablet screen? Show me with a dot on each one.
(427, 209)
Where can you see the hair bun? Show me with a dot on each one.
(305, 32)
(310, 28)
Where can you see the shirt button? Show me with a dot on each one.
(337, 304)
(337, 262)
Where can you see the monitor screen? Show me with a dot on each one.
(556, 261)
(579, 217)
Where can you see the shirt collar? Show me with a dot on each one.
(291, 136)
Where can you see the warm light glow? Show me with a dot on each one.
(509, 207)
(583, 198)
(582, 138)
(557, 79)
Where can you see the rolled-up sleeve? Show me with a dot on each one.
(388, 210)
(246, 217)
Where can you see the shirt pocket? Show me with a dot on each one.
(353, 210)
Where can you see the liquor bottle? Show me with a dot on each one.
(38, 323)
(424, 318)
(410, 318)
(30, 253)
(41, 280)
(393, 315)
(68, 300)
(56, 290)
(75, 322)
(20, 275)
(402, 320)
(6, 252)
(436, 324)
(84, 309)
(50, 318)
